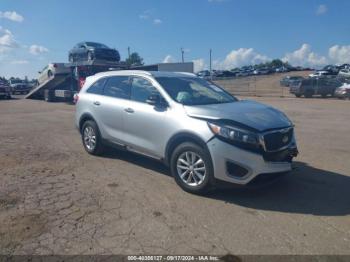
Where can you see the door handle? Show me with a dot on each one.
(97, 103)
(129, 110)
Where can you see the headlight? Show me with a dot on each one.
(234, 134)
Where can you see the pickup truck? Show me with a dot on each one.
(314, 86)
(19, 86)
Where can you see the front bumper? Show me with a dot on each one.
(342, 93)
(250, 164)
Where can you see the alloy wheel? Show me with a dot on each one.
(89, 138)
(191, 168)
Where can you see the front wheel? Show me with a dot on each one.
(192, 168)
(91, 138)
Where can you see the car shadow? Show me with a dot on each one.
(305, 190)
(137, 159)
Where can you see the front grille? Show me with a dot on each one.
(278, 139)
(285, 155)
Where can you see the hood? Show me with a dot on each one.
(248, 113)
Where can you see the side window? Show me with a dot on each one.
(97, 87)
(141, 89)
(118, 86)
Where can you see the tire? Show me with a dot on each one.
(308, 93)
(298, 95)
(91, 138)
(197, 182)
(90, 56)
(49, 74)
(49, 96)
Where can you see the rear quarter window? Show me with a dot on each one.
(97, 87)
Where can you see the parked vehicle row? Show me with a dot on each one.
(246, 71)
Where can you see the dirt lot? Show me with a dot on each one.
(57, 199)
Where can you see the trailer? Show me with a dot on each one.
(63, 87)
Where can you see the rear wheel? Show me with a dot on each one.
(91, 138)
(308, 93)
(49, 74)
(49, 95)
(192, 168)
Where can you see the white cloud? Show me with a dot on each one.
(304, 57)
(321, 9)
(241, 57)
(168, 59)
(37, 49)
(339, 54)
(157, 21)
(199, 64)
(7, 40)
(19, 62)
(11, 15)
(143, 16)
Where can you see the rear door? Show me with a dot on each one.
(144, 123)
(116, 97)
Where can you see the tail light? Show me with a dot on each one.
(75, 98)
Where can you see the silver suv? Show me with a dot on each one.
(200, 131)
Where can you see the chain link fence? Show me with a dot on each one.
(269, 85)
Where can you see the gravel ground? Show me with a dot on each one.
(57, 199)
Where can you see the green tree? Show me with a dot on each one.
(276, 63)
(134, 59)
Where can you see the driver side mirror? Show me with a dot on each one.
(155, 100)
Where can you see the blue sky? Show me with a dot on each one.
(310, 33)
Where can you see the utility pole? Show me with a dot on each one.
(182, 55)
(210, 69)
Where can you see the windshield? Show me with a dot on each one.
(96, 45)
(194, 91)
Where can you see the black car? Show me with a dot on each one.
(89, 51)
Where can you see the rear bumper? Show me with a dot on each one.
(228, 159)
